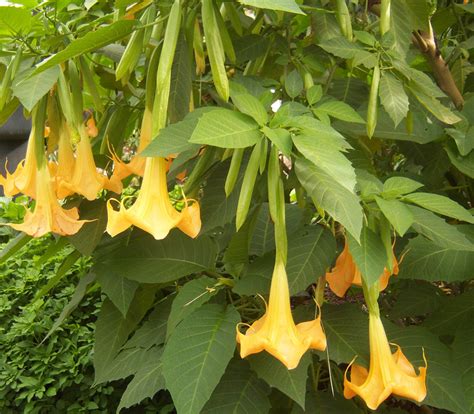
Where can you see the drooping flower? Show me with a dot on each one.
(388, 373)
(276, 331)
(23, 180)
(345, 273)
(48, 215)
(85, 180)
(152, 210)
(63, 171)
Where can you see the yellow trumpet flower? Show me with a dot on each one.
(345, 273)
(276, 332)
(48, 215)
(388, 373)
(152, 210)
(23, 180)
(85, 180)
(64, 169)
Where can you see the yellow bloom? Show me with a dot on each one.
(23, 180)
(152, 210)
(64, 169)
(388, 374)
(345, 273)
(85, 180)
(48, 215)
(276, 332)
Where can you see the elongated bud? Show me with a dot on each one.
(233, 172)
(384, 16)
(373, 98)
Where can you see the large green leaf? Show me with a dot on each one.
(323, 402)
(369, 255)
(463, 353)
(30, 90)
(463, 164)
(290, 382)
(284, 5)
(454, 312)
(400, 26)
(197, 354)
(310, 253)
(112, 330)
(250, 105)
(443, 113)
(189, 298)
(281, 138)
(396, 186)
(341, 47)
(396, 213)
(226, 129)
(318, 149)
(340, 110)
(438, 231)
(441, 205)
(175, 137)
(14, 20)
(239, 391)
(393, 97)
(118, 289)
(429, 261)
(337, 200)
(91, 41)
(416, 298)
(146, 382)
(293, 84)
(346, 328)
(159, 261)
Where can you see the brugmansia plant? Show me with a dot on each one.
(276, 195)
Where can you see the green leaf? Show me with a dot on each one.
(153, 330)
(147, 260)
(293, 84)
(14, 21)
(326, 403)
(400, 26)
(417, 298)
(13, 246)
(197, 354)
(325, 155)
(340, 110)
(215, 199)
(369, 256)
(341, 47)
(441, 205)
(91, 41)
(339, 202)
(90, 234)
(250, 47)
(346, 328)
(428, 261)
(239, 391)
(463, 164)
(454, 312)
(118, 289)
(174, 139)
(310, 253)
(281, 138)
(226, 129)
(250, 105)
(396, 186)
(314, 94)
(438, 231)
(393, 97)
(396, 213)
(289, 6)
(463, 353)
(190, 297)
(181, 82)
(146, 383)
(443, 113)
(290, 382)
(112, 330)
(129, 362)
(31, 89)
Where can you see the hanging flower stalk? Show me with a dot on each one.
(345, 273)
(47, 215)
(388, 373)
(276, 331)
(152, 210)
